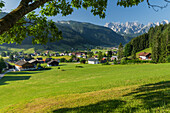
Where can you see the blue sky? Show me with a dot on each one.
(114, 13)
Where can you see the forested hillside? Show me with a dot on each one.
(158, 38)
(79, 35)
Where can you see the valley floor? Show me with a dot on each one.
(92, 88)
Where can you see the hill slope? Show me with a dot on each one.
(79, 35)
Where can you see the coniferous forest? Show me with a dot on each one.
(158, 39)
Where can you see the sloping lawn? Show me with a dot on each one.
(93, 88)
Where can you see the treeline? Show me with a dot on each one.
(158, 39)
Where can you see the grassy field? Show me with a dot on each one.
(94, 88)
(57, 57)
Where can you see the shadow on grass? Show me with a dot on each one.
(23, 72)
(12, 78)
(62, 64)
(153, 95)
(103, 106)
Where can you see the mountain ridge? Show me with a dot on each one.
(133, 28)
(79, 35)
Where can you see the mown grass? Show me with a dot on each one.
(93, 88)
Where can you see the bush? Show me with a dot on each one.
(168, 59)
(70, 60)
(115, 61)
(124, 60)
(83, 61)
(79, 66)
(2, 64)
(63, 60)
(106, 63)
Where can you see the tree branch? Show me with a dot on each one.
(10, 19)
(157, 6)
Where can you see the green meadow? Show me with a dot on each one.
(84, 88)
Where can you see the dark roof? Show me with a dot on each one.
(92, 59)
(144, 54)
(48, 58)
(39, 59)
(27, 59)
(52, 61)
(33, 61)
(21, 62)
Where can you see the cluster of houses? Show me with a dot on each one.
(25, 64)
(31, 64)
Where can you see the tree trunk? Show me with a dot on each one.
(10, 19)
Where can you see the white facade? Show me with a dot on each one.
(93, 62)
(143, 57)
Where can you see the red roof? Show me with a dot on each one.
(144, 54)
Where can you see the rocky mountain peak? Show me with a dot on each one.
(133, 28)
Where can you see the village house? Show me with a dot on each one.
(93, 61)
(76, 60)
(69, 54)
(40, 60)
(34, 62)
(61, 54)
(27, 59)
(47, 60)
(114, 57)
(145, 56)
(85, 57)
(103, 61)
(96, 52)
(79, 55)
(23, 66)
(52, 63)
(95, 56)
(56, 54)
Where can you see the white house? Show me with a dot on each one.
(114, 57)
(93, 61)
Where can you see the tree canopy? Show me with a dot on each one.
(23, 21)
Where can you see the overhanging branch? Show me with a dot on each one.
(158, 6)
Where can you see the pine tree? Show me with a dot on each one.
(120, 51)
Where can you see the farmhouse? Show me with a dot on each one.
(145, 56)
(53, 63)
(24, 65)
(34, 62)
(40, 60)
(113, 58)
(48, 59)
(93, 61)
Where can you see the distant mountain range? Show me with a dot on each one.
(132, 29)
(78, 35)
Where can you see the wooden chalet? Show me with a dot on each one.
(34, 62)
(23, 66)
(145, 56)
(53, 63)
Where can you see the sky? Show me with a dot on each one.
(114, 13)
